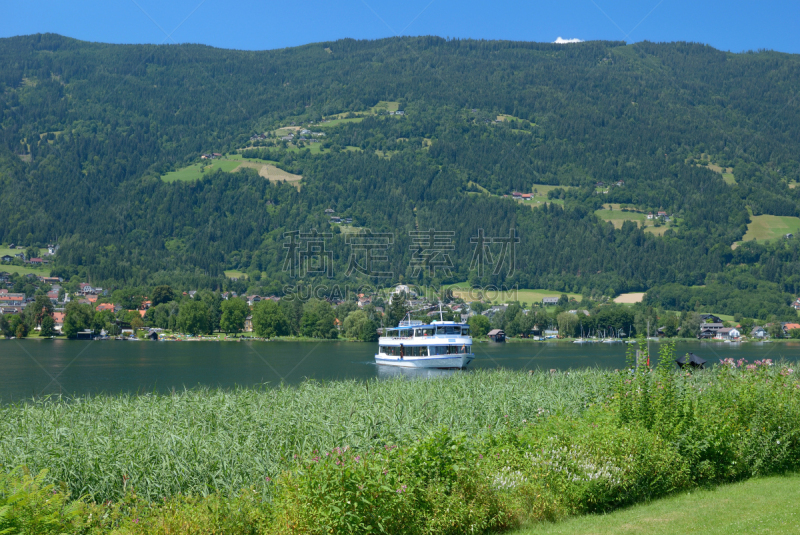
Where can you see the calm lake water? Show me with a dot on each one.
(39, 367)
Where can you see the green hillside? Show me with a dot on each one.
(499, 114)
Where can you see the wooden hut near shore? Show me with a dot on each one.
(497, 336)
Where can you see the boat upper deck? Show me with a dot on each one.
(417, 329)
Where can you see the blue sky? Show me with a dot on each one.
(727, 25)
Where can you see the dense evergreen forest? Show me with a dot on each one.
(88, 130)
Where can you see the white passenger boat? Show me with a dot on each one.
(413, 344)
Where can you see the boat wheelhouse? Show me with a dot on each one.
(413, 344)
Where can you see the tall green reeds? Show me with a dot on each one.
(201, 441)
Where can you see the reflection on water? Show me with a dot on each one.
(392, 372)
(33, 368)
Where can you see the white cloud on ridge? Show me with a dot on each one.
(562, 41)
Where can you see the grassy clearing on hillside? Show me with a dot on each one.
(384, 105)
(767, 505)
(770, 227)
(24, 270)
(336, 122)
(231, 164)
(618, 218)
(231, 273)
(197, 170)
(529, 296)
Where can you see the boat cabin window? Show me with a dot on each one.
(423, 331)
(450, 350)
(408, 351)
(448, 329)
(465, 331)
(406, 333)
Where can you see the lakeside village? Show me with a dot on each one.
(45, 306)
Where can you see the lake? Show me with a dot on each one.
(40, 367)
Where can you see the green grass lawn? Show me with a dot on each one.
(770, 227)
(766, 505)
(194, 171)
(24, 270)
(618, 217)
(230, 273)
(529, 296)
(337, 122)
(384, 105)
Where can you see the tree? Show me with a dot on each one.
(136, 324)
(40, 308)
(317, 320)
(162, 294)
(193, 317)
(234, 314)
(479, 325)
(269, 319)
(690, 324)
(48, 326)
(397, 310)
(77, 318)
(21, 328)
(5, 326)
(102, 319)
(775, 330)
(670, 325)
(369, 331)
(354, 323)
(563, 300)
(566, 324)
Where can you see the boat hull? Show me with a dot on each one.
(440, 361)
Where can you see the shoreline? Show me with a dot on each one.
(247, 338)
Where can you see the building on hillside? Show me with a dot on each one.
(759, 333)
(709, 330)
(728, 333)
(710, 318)
(58, 317)
(796, 304)
(549, 301)
(6, 258)
(248, 324)
(105, 306)
(790, 327)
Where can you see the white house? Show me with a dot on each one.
(728, 333)
(404, 288)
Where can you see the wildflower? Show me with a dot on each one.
(268, 479)
(401, 490)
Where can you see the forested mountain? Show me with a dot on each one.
(88, 130)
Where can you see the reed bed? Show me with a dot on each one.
(204, 441)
